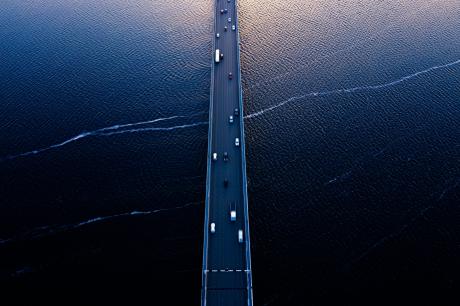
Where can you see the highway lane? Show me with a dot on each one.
(226, 276)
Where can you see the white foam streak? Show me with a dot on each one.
(170, 128)
(120, 126)
(46, 230)
(55, 146)
(114, 128)
(353, 89)
(421, 214)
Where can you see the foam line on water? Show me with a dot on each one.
(132, 213)
(120, 126)
(46, 230)
(421, 214)
(352, 89)
(107, 131)
(138, 130)
(376, 35)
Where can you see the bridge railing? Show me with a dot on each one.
(208, 169)
(243, 165)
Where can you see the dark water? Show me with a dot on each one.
(74, 67)
(353, 135)
(355, 177)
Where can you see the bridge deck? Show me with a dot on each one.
(226, 262)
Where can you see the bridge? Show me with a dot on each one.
(226, 274)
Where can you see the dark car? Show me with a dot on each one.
(225, 156)
(225, 182)
(236, 112)
(230, 75)
(225, 11)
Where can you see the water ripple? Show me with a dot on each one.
(46, 230)
(103, 131)
(111, 130)
(170, 128)
(404, 227)
(352, 89)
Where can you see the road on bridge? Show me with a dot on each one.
(226, 260)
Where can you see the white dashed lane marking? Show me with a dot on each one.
(227, 270)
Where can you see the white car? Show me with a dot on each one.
(233, 27)
(217, 35)
(230, 119)
(213, 228)
(240, 236)
(229, 19)
(233, 216)
(237, 142)
(214, 156)
(233, 212)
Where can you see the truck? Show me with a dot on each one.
(217, 55)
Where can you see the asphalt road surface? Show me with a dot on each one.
(226, 275)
